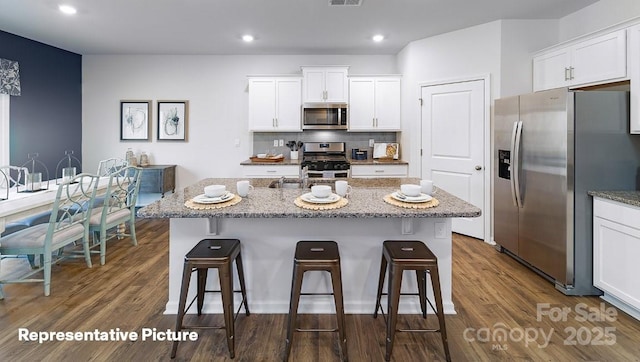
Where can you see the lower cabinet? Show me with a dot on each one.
(378, 170)
(269, 171)
(158, 179)
(616, 248)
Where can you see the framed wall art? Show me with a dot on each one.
(134, 120)
(173, 117)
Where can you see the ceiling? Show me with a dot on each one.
(279, 26)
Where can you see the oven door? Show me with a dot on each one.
(324, 116)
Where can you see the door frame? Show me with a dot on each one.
(488, 167)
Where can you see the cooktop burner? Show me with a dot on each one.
(325, 156)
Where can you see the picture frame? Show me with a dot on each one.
(135, 123)
(173, 120)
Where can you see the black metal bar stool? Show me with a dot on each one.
(218, 254)
(404, 255)
(316, 255)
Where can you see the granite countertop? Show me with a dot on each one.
(297, 162)
(286, 161)
(366, 201)
(371, 161)
(625, 197)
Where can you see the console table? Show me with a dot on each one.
(158, 179)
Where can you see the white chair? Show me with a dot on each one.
(118, 209)
(67, 224)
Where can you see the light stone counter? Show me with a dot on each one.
(268, 224)
(263, 202)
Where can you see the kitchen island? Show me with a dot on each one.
(269, 224)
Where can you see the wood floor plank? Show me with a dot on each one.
(491, 292)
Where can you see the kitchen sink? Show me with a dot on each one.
(287, 183)
(297, 183)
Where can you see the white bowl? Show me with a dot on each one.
(262, 155)
(321, 191)
(215, 190)
(411, 190)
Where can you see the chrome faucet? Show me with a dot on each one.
(281, 186)
(305, 177)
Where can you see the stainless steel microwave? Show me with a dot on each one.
(324, 116)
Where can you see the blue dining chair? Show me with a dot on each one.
(118, 208)
(68, 223)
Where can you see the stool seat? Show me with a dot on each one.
(316, 256)
(409, 252)
(401, 255)
(317, 251)
(213, 254)
(214, 250)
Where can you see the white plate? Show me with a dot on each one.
(308, 197)
(401, 197)
(204, 199)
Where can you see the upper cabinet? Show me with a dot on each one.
(325, 84)
(596, 60)
(275, 104)
(374, 103)
(634, 75)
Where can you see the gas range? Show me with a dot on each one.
(325, 160)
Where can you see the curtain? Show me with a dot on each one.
(9, 77)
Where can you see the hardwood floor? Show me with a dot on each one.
(491, 291)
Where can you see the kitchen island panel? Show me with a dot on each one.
(268, 247)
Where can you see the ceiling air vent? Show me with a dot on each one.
(345, 2)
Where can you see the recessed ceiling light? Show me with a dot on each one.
(247, 38)
(378, 38)
(67, 9)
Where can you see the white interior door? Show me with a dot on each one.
(453, 144)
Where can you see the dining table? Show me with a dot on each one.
(21, 204)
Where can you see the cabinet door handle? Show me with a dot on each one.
(271, 171)
(571, 72)
(373, 122)
(276, 122)
(567, 73)
(379, 171)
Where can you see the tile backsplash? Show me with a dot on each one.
(263, 141)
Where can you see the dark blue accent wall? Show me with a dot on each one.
(47, 117)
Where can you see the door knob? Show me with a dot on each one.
(478, 168)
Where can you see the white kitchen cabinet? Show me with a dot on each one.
(271, 171)
(596, 60)
(325, 84)
(616, 247)
(379, 170)
(633, 34)
(275, 104)
(374, 103)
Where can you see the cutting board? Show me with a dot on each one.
(386, 150)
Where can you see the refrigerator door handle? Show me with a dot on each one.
(512, 167)
(516, 165)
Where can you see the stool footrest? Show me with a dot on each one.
(203, 327)
(417, 330)
(316, 330)
(316, 293)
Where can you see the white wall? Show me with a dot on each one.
(597, 16)
(216, 87)
(519, 39)
(469, 52)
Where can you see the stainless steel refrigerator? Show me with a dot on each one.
(550, 148)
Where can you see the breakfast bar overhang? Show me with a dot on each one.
(269, 224)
